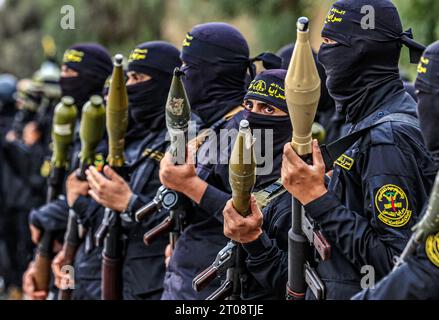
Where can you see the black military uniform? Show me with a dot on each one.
(94, 65)
(204, 233)
(212, 95)
(143, 267)
(379, 185)
(418, 278)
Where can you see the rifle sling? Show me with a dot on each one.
(334, 150)
(268, 194)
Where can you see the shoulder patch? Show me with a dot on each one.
(345, 162)
(153, 154)
(393, 206)
(432, 249)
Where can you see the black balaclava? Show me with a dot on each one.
(147, 99)
(216, 60)
(93, 64)
(326, 103)
(286, 53)
(269, 87)
(362, 68)
(427, 86)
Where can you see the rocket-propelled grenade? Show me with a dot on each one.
(63, 128)
(117, 114)
(302, 92)
(110, 229)
(242, 169)
(178, 114)
(302, 89)
(91, 131)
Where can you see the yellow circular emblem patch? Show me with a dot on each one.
(432, 249)
(392, 205)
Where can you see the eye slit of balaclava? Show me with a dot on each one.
(93, 64)
(147, 99)
(218, 58)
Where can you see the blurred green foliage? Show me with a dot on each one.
(119, 25)
(270, 19)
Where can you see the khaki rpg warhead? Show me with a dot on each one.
(242, 169)
(302, 89)
(117, 114)
(178, 114)
(63, 128)
(92, 128)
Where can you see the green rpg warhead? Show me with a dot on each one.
(178, 114)
(92, 128)
(63, 128)
(242, 169)
(117, 114)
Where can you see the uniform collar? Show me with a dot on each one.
(400, 103)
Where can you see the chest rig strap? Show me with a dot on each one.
(265, 196)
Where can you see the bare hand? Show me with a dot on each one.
(29, 285)
(35, 234)
(176, 177)
(168, 254)
(59, 275)
(182, 178)
(243, 229)
(305, 182)
(75, 188)
(11, 136)
(31, 134)
(110, 191)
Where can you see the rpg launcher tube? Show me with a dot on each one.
(242, 169)
(117, 114)
(117, 121)
(302, 89)
(42, 262)
(70, 246)
(178, 113)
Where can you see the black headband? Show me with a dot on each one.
(344, 23)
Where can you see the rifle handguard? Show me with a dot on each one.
(147, 210)
(42, 274)
(100, 235)
(222, 292)
(165, 226)
(204, 278)
(165, 198)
